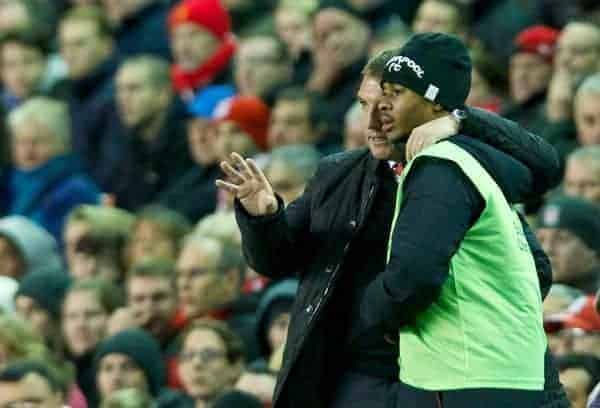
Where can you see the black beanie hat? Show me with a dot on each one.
(434, 65)
(578, 216)
(142, 348)
(47, 288)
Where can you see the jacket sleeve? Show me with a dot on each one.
(542, 263)
(440, 205)
(531, 150)
(275, 244)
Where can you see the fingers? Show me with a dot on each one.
(242, 165)
(232, 173)
(258, 174)
(232, 188)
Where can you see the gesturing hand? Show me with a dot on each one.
(249, 185)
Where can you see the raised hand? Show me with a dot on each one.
(249, 185)
(430, 133)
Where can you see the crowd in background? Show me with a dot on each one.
(122, 279)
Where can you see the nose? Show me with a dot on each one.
(374, 119)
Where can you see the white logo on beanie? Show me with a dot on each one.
(395, 65)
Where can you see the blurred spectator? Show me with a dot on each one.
(145, 149)
(393, 35)
(157, 232)
(241, 124)
(85, 312)
(220, 225)
(529, 74)
(99, 254)
(25, 70)
(354, 136)
(128, 398)
(293, 25)
(262, 65)
(129, 359)
(340, 50)
(203, 45)
(582, 174)
(300, 117)
(45, 182)
(88, 221)
(37, 16)
(209, 276)
(444, 16)
(579, 373)
(487, 81)
(290, 169)
(87, 47)
(569, 231)
(140, 26)
(237, 399)
(587, 111)
(19, 340)
(38, 301)
(199, 180)
(150, 289)
(210, 361)
(24, 383)
(25, 248)
(8, 287)
(559, 298)
(273, 317)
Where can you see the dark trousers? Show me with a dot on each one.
(356, 390)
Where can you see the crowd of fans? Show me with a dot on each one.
(122, 279)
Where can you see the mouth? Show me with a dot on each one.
(387, 123)
(379, 140)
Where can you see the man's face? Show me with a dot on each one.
(402, 111)
(370, 96)
(150, 240)
(258, 67)
(152, 300)
(293, 27)
(203, 365)
(433, 16)
(84, 321)
(202, 140)
(578, 50)
(139, 100)
(22, 68)
(576, 382)
(32, 391)
(230, 138)
(284, 182)
(529, 74)
(72, 234)
(290, 123)
(11, 262)
(344, 37)
(582, 179)
(201, 287)
(13, 14)
(192, 45)
(117, 371)
(32, 145)
(82, 47)
(571, 259)
(29, 310)
(587, 118)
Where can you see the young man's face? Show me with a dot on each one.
(82, 47)
(290, 123)
(402, 111)
(582, 179)
(32, 390)
(117, 371)
(84, 321)
(21, 68)
(587, 118)
(152, 300)
(529, 74)
(29, 310)
(435, 16)
(148, 239)
(192, 45)
(370, 96)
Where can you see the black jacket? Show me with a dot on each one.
(314, 234)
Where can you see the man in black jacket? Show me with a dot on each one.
(335, 237)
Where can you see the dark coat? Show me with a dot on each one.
(48, 193)
(313, 235)
(136, 171)
(145, 32)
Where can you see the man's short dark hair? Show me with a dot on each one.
(26, 38)
(317, 109)
(16, 371)
(153, 267)
(587, 362)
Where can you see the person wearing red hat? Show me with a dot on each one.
(202, 44)
(530, 72)
(249, 115)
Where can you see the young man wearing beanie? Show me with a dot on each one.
(569, 231)
(203, 45)
(460, 285)
(529, 75)
(335, 236)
